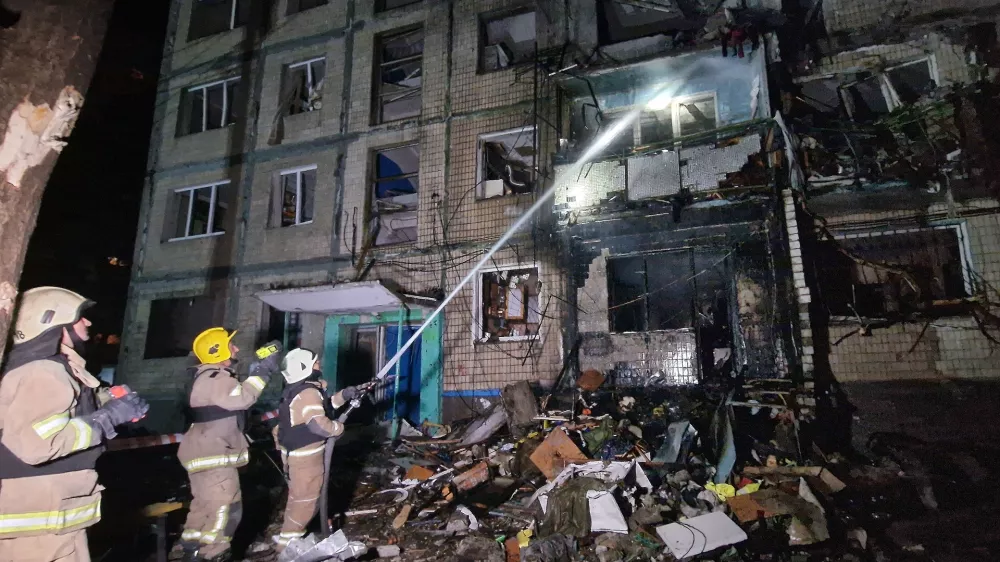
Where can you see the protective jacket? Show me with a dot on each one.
(217, 399)
(305, 419)
(48, 484)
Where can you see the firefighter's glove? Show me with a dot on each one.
(350, 393)
(117, 412)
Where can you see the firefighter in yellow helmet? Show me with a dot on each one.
(52, 431)
(214, 445)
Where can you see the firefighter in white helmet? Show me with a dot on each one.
(52, 430)
(305, 422)
(214, 446)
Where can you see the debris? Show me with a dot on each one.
(590, 380)
(388, 551)
(473, 477)
(700, 534)
(418, 472)
(402, 516)
(480, 548)
(513, 549)
(556, 548)
(521, 407)
(484, 427)
(555, 453)
(524, 537)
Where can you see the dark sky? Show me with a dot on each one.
(91, 204)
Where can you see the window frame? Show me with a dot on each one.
(308, 64)
(379, 6)
(213, 201)
(675, 125)
(233, 11)
(884, 81)
(377, 94)
(373, 182)
(961, 234)
(290, 12)
(478, 329)
(484, 21)
(297, 171)
(481, 141)
(204, 104)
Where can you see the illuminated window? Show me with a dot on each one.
(293, 196)
(508, 304)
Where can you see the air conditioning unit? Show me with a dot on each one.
(492, 188)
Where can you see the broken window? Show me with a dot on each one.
(509, 304)
(175, 323)
(911, 80)
(199, 211)
(866, 99)
(304, 86)
(895, 271)
(209, 106)
(506, 41)
(394, 195)
(209, 17)
(399, 75)
(386, 5)
(665, 120)
(875, 95)
(293, 197)
(623, 20)
(665, 291)
(296, 6)
(505, 163)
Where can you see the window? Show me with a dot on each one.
(285, 327)
(293, 197)
(304, 86)
(934, 259)
(665, 120)
(622, 20)
(507, 41)
(509, 304)
(399, 76)
(209, 17)
(386, 5)
(665, 291)
(210, 106)
(874, 95)
(200, 211)
(394, 195)
(296, 6)
(505, 161)
(174, 323)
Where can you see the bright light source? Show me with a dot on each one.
(660, 102)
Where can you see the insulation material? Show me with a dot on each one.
(594, 184)
(34, 131)
(701, 168)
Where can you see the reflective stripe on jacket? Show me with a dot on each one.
(218, 442)
(49, 484)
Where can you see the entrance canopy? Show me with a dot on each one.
(364, 297)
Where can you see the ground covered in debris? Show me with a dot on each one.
(604, 475)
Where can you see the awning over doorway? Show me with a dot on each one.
(364, 297)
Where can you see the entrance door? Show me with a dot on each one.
(358, 363)
(408, 401)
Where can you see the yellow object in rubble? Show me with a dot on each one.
(748, 489)
(724, 491)
(524, 537)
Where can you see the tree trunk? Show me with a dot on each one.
(48, 54)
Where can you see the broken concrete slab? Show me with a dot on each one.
(521, 406)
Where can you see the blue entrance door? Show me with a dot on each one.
(408, 401)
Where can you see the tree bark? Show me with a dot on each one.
(48, 51)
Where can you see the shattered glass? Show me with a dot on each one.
(400, 76)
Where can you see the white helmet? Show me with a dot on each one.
(297, 364)
(44, 308)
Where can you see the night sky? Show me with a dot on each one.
(91, 205)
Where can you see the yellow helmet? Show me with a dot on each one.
(44, 308)
(212, 346)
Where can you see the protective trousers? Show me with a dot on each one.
(69, 547)
(216, 509)
(305, 475)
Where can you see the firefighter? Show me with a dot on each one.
(305, 422)
(52, 431)
(214, 446)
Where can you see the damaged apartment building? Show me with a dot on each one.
(739, 190)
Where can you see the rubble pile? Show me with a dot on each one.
(611, 475)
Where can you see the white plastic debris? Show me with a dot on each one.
(700, 534)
